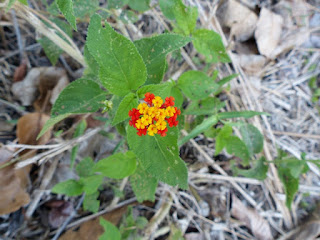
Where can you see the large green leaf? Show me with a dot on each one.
(130, 101)
(160, 156)
(83, 8)
(139, 5)
(207, 123)
(80, 96)
(117, 166)
(66, 7)
(252, 138)
(111, 232)
(121, 67)
(196, 85)
(238, 148)
(163, 90)
(154, 50)
(143, 185)
(70, 188)
(209, 43)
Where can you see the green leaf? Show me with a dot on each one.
(207, 106)
(10, 4)
(252, 138)
(245, 114)
(160, 156)
(196, 85)
(238, 148)
(121, 67)
(115, 4)
(139, 5)
(143, 185)
(70, 188)
(51, 122)
(207, 123)
(227, 79)
(209, 43)
(91, 183)
(222, 138)
(130, 101)
(83, 8)
(90, 202)
(80, 96)
(117, 166)
(186, 17)
(154, 50)
(291, 184)
(111, 232)
(258, 171)
(92, 70)
(163, 90)
(66, 7)
(85, 167)
(176, 93)
(81, 127)
(51, 50)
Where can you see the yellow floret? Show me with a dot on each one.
(152, 130)
(151, 112)
(146, 120)
(170, 111)
(143, 108)
(140, 124)
(161, 125)
(157, 101)
(160, 114)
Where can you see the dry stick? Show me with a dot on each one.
(299, 135)
(17, 30)
(221, 171)
(45, 181)
(29, 15)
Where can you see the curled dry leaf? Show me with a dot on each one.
(240, 19)
(20, 72)
(58, 214)
(12, 194)
(268, 32)
(258, 225)
(92, 229)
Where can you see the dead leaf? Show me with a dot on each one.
(20, 72)
(12, 195)
(257, 224)
(240, 19)
(29, 126)
(92, 229)
(268, 32)
(52, 81)
(58, 214)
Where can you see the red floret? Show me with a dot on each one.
(134, 114)
(173, 121)
(142, 132)
(169, 101)
(148, 98)
(163, 132)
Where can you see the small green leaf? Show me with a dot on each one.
(163, 90)
(117, 166)
(207, 123)
(227, 79)
(83, 8)
(81, 127)
(121, 67)
(90, 202)
(116, 4)
(154, 50)
(80, 96)
(66, 7)
(129, 101)
(51, 122)
(85, 167)
(139, 5)
(167, 7)
(70, 188)
(258, 171)
(291, 184)
(209, 43)
(196, 85)
(143, 185)
(207, 106)
(252, 138)
(245, 114)
(222, 138)
(159, 156)
(10, 4)
(176, 93)
(91, 183)
(238, 148)
(111, 232)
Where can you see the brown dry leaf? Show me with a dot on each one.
(29, 126)
(258, 225)
(52, 81)
(268, 32)
(12, 194)
(91, 230)
(20, 72)
(240, 19)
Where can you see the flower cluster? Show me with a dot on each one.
(153, 116)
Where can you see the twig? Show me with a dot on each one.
(17, 30)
